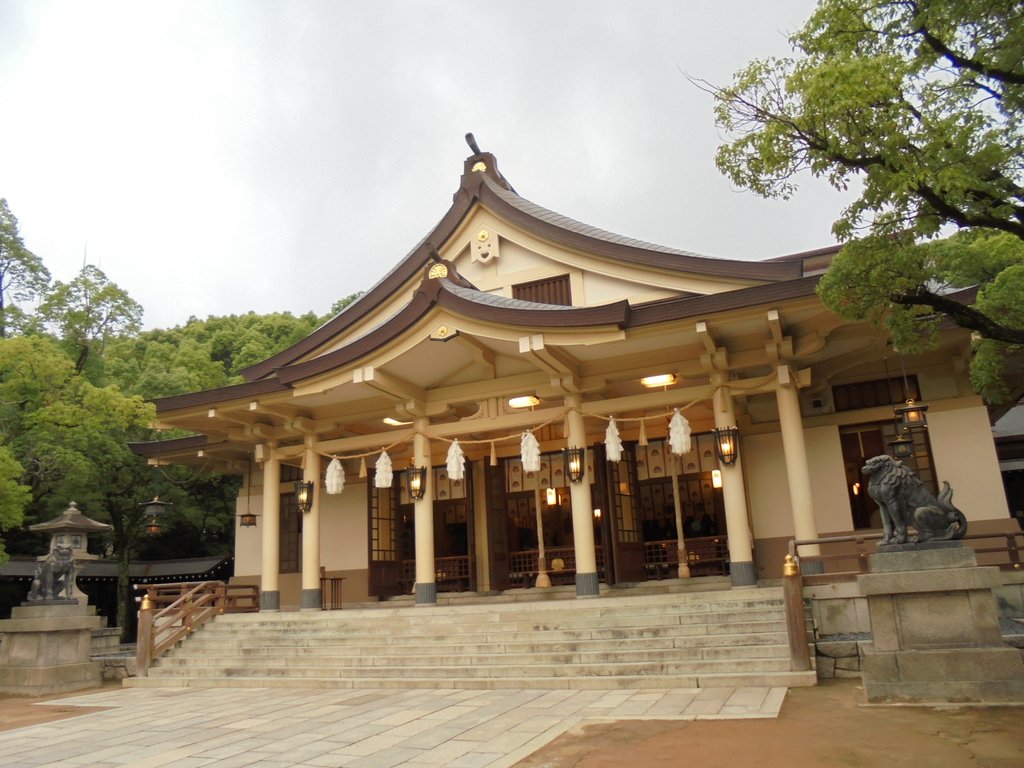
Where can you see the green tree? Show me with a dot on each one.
(22, 274)
(14, 496)
(87, 312)
(341, 303)
(921, 105)
(70, 438)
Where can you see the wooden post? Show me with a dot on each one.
(796, 621)
(543, 580)
(144, 640)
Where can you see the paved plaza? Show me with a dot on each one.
(234, 727)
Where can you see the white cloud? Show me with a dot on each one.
(221, 157)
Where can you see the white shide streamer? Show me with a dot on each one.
(335, 479)
(612, 441)
(679, 434)
(384, 473)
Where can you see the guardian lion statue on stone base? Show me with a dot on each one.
(54, 575)
(904, 501)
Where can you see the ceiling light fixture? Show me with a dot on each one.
(523, 401)
(659, 380)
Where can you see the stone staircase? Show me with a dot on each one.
(668, 640)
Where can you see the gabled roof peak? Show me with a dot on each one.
(481, 162)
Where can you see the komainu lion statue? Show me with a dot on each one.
(904, 501)
(54, 575)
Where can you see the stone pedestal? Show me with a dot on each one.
(46, 649)
(935, 629)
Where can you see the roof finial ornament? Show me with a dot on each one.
(472, 143)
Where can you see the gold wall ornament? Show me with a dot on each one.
(444, 333)
(438, 271)
(479, 167)
(482, 235)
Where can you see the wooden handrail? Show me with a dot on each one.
(1009, 551)
(186, 607)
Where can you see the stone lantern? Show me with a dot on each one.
(68, 546)
(48, 639)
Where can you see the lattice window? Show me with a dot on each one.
(290, 547)
(552, 290)
(869, 394)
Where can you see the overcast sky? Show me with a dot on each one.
(218, 157)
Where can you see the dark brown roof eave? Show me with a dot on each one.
(158, 447)
(616, 314)
(219, 395)
(677, 262)
(698, 306)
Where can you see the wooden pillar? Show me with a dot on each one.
(587, 584)
(797, 472)
(426, 579)
(311, 597)
(270, 594)
(742, 569)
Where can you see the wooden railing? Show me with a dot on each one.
(169, 613)
(451, 574)
(561, 565)
(847, 556)
(706, 556)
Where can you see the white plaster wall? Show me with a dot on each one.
(832, 511)
(248, 546)
(768, 487)
(343, 528)
(768, 492)
(965, 457)
(343, 531)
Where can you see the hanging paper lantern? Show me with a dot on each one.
(384, 473)
(335, 479)
(494, 454)
(612, 441)
(456, 461)
(362, 467)
(529, 450)
(643, 434)
(679, 434)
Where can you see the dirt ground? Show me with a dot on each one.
(18, 711)
(822, 726)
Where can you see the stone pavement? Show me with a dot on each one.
(231, 727)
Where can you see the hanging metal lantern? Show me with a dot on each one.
(304, 495)
(416, 478)
(912, 415)
(155, 507)
(574, 463)
(727, 444)
(902, 447)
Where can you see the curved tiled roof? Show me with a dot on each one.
(491, 190)
(494, 300)
(564, 222)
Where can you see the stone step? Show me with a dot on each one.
(523, 611)
(277, 668)
(390, 625)
(641, 682)
(253, 647)
(416, 642)
(658, 640)
(495, 659)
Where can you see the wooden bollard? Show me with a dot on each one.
(796, 621)
(144, 639)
